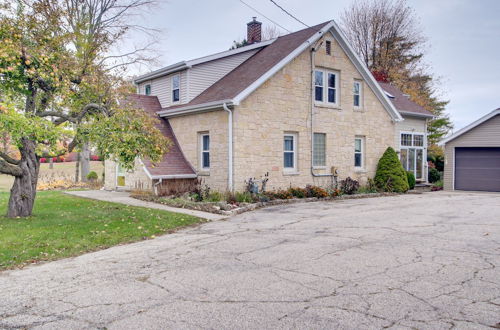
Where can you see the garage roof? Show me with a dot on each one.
(471, 126)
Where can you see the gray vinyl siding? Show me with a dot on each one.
(161, 87)
(485, 135)
(204, 75)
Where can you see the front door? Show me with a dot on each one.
(120, 176)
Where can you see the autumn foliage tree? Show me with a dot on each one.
(387, 37)
(51, 99)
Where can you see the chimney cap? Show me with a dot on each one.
(254, 20)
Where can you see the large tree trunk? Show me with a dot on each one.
(85, 162)
(23, 192)
(77, 166)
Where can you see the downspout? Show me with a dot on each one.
(332, 175)
(155, 187)
(229, 147)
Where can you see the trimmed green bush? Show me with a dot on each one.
(92, 176)
(390, 175)
(434, 175)
(411, 179)
(297, 192)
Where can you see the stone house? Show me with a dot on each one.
(301, 109)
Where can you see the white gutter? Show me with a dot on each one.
(229, 147)
(181, 111)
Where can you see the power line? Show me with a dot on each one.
(288, 13)
(270, 20)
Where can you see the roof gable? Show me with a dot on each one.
(470, 126)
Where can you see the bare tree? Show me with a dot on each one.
(384, 33)
(270, 32)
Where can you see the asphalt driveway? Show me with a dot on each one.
(416, 261)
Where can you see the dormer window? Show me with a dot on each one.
(147, 90)
(176, 83)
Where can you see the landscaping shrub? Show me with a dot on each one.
(92, 176)
(95, 158)
(244, 197)
(438, 185)
(214, 196)
(43, 160)
(390, 175)
(297, 192)
(349, 186)
(334, 192)
(315, 191)
(434, 175)
(60, 159)
(411, 179)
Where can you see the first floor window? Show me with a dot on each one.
(205, 151)
(358, 152)
(176, 84)
(357, 94)
(147, 90)
(319, 149)
(289, 152)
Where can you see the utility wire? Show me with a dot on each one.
(288, 13)
(270, 20)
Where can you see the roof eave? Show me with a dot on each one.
(415, 114)
(197, 108)
(162, 72)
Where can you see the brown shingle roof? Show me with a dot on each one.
(252, 69)
(402, 102)
(174, 162)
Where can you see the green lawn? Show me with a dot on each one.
(64, 226)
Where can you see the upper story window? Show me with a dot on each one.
(147, 89)
(325, 87)
(319, 149)
(328, 47)
(205, 151)
(176, 84)
(290, 152)
(359, 152)
(357, 94)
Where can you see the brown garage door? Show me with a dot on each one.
(477, 169)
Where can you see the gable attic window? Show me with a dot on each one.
(176, 83)
(328, 47)
(325, 87)
(147, 89)
(356, 91)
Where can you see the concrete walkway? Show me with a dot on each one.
(124, 198)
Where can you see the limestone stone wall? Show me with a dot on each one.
(134, 179)
(187, 129)
(283, 104)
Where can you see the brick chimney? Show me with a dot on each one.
(254, 31)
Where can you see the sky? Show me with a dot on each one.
(463, 47)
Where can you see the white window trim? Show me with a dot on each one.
(294, 169)
(205, 169)
(360, 106)
(362, 167)
(424, 152)
(172, 88)
(325, 88)
(319, 167)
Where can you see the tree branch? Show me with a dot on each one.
(9, 169)
(9, 159)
